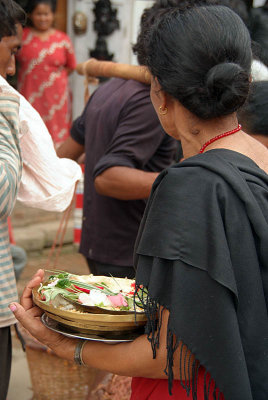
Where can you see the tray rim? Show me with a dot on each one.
(76, 335)
(83, 316)
(95, 326)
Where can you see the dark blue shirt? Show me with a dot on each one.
(119, 127)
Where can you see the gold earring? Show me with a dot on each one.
(163, 111)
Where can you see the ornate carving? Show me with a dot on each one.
(105, 24)
(105, 18)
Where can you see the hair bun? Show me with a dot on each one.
(208, 70)
(225, 89)
(222, 75)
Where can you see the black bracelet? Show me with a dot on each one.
(78, 352)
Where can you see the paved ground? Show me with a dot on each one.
(69, 260)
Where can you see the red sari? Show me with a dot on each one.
(157, 389)
(43, 79)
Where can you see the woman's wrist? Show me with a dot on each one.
(78, 352)
(64, 348)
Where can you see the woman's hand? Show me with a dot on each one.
(26, 298)
(28, 314)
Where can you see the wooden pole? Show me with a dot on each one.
(109, 69)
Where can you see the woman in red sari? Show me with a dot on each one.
(45, 61)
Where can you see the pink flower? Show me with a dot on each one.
(118, 300)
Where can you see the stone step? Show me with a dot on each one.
(36, 237)
(35, 230)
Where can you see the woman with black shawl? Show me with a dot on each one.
(202, 247)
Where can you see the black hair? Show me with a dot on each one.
(253, 116)
(150, 15)
(202, 57)
(239, 7)
(11, 14)
(34, 3)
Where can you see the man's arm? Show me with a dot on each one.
(124, 183)
(10, 163)
(70, 149)
(121, 183)
(131, 162)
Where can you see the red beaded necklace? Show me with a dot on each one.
(238, 128)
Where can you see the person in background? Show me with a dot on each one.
(12, 18)
(201, 251)
(125, 149)
(253, 116)
(19, 259)
(45, 181)
(45, 62)
(18, 254)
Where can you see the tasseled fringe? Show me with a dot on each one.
(186, 366)
(195, 369)
(217, 395)
(154, 317)
(153, 326)
(171, 347)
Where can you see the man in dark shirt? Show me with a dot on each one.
(125, 149)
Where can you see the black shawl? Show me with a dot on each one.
(202, 252)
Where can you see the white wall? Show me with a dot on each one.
(119, 43)
(138, 7)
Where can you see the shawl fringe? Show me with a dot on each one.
(154, 314)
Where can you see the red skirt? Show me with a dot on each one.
(157, 389)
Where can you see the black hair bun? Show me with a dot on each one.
(224, 91)
(202, 57)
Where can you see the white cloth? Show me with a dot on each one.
(258, 3)
(259, 71)
(47, 182)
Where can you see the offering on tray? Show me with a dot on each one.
(106, 293)
(91, 304)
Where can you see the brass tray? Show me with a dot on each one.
(87, 321)
(92, 326)
(107, 337)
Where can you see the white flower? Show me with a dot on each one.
(54, 283)
(94, 298)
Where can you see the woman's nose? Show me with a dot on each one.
(11, 68)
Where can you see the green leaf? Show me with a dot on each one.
(63, 283)
(124, 308)
(63, 276)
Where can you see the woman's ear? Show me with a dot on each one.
(162, 96)
(167, 102)
(155, 86)
(163, 99)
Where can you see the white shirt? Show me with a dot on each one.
(47, 182)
